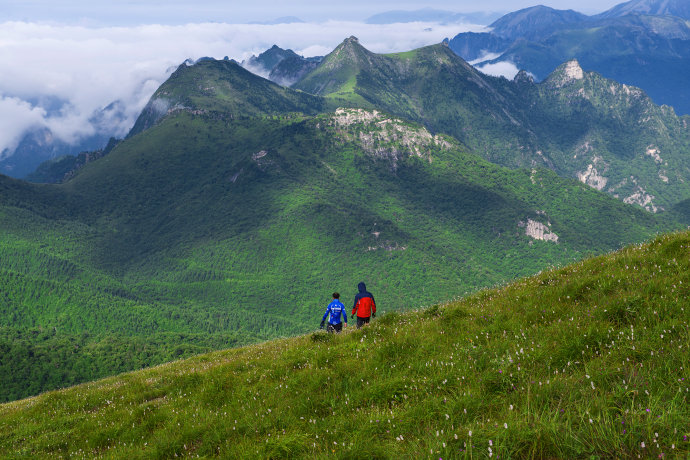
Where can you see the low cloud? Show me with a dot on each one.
(86, 69)
(16, 117)
(500, 69)
(485, 56)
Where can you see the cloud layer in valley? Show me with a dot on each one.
(58, 76)
(500, 69)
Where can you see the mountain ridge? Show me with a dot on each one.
(520, 123)
(677, 8)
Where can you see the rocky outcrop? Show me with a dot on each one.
(538, 231)
(641, 198)
(386, 137)
(592, 178)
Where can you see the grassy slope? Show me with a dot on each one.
(590, 359)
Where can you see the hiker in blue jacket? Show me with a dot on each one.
(335, 309)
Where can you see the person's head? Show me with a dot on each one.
(362, 287)
(336, 295)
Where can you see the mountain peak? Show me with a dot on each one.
(679, 8)
(350, 44)
(523, 77)
(351, 41)
(535, 21)
(573, 70)
(566, 74)
(339, 67)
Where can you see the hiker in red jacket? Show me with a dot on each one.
(364, 306)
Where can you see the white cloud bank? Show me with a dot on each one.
(16, 116)
(500, 69)
(88, 68)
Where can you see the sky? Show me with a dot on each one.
(136, 12)
(64, 61)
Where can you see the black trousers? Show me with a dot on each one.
(334, 327)
(362, 321)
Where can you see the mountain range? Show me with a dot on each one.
(235, 206)
(576, 123)
(431, 15)
(677, 8)
(643, 43)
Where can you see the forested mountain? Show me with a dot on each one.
(606, 134)
(236, 206)
(64, 167)
(644, 43)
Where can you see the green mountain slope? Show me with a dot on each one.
(522, 124)
(430, 85)
(336, 75)
(223, 87)
(587, 360)
(203, 232)
(612, 137)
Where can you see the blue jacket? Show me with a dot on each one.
(335, 308)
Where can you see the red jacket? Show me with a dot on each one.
(364, 303)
